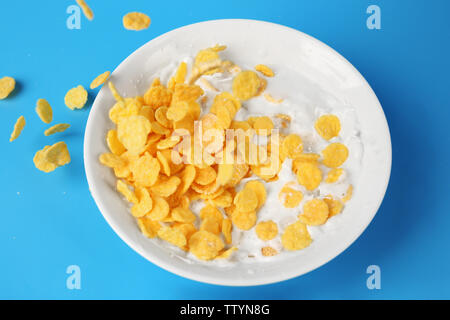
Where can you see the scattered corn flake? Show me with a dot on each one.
(123, 188)
(266, 230)
(263, 125)
(181, 214)
(148, 227)
(289, 196)
(333, 175)
(114, 92)
(227, 253)
(188, 229)
(7, 85)
(60, 127)
(328, 126)
(52, 157)
(309, 175)
(44, 110)
(88, 13)
(246, 85)
(157, 96)
(161, 117)
(222, 201)
(76, 98)
(168, 143)
(18, 127)
(315, 212)
(114, 145)
(205, 245)
(268, 251)
(265, 70)
(212, 212)
(133, 131)
(99, 80)
(296, 237)
(136, 21)
(271, 99)
(211, 225)
(173, 236)
(160, 209)
(334, 155)
(348, 194)
(187, 177)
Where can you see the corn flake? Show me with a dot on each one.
(88, 13)
(333, 175)
(160, 209)
(260, 191)
(227, 227)
(205, 245)
(123, 188)
(266, 230)
(309, 175)
(334, 155)
(44, 110)
(328, 126)
(7, 85)
(18, 127)
(144, 205)
(145, 170)
(136, 21)
(334, 206)
(289, 196)
(268, 251)
(60, 127)
(99, 80)
(148, 227)
(133, 131)
(265, 70)
(296, 237)
(114, 145)
(173, 236)
(243, 220)
(246, 200)
(246, 85)
(315, 212)
(181, 214)
(76, 98)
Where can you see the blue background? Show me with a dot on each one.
(50, 221)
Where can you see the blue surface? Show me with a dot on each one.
(49, 221)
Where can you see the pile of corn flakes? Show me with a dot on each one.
(161, 178)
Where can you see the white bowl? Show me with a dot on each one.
(323, 69)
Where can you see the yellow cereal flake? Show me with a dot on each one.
(205, 245)
(334, 175)
(148, 227)
(114, 92)
(263, 125)
(243, 220)
(181, 214)
(348, 194)
(271, 99)
(227, 253)
(7, 85)
(328, 126)
(60, 127)
(99, 80)
(291, 146)
(289, 196)
(205, 175)
(88, 13)
(136, 21)
(315, 212)
(309, 175)
(334, 206)
(265, 70)
(133, 131)
(246, 200)
(187, 177)
(52, 157)
(160, 209)
(188, 229)
(334, 155)
(145, 170)
(168, 143)
(173, 236)
(144, 205)
(246, 85)
(76, 98)
(161, 117)
(268, 251)
(227, 227)
(296, 237)
(266, 230)
(211, 225)
(259, 189)
(222, 201)
(123, 188)
(224, 173)
(166, 186)
(211, 212)
(18, 127)
(114, 145)
(44, 110)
